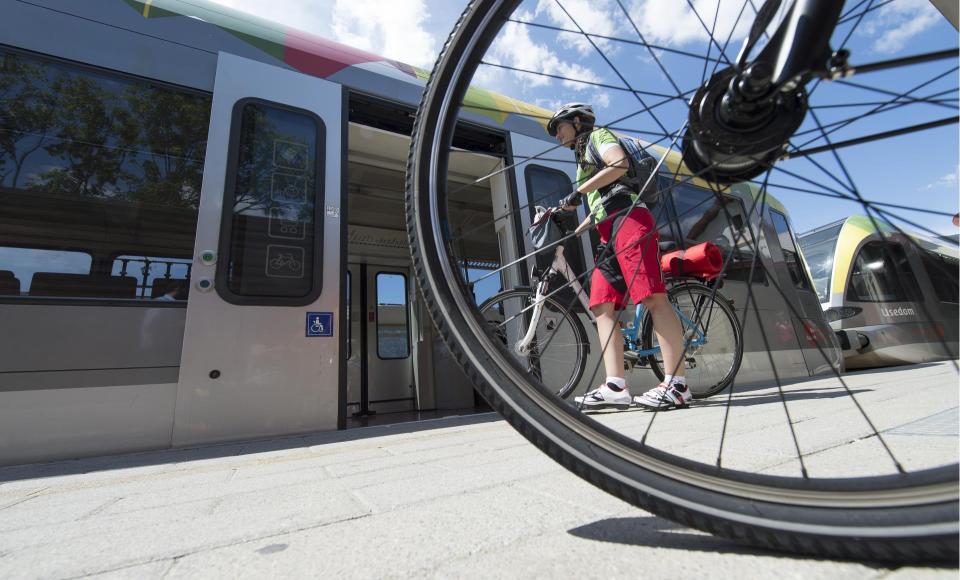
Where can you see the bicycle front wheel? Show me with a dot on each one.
(821, 465)
(554, 350)
(713, 332)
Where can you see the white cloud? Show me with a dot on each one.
(950, 179)
(394, 30)
(593, 16)
(312, 17)
(674, 22)
(896, 23)
(514, 47)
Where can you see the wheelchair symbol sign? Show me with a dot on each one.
(319, 324)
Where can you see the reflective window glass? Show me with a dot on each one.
(161, 279)
(97, 164)
(546, 187)
(942, 271)
(880, 273)
(275, 194)
(791, 255)
(818, 250)
(22, 265)
(702, 217)
(393, 324)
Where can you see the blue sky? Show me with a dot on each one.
(918, 170)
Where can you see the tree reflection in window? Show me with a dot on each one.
(73, 131)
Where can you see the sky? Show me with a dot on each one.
(919, 170)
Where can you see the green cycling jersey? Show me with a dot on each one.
(602, 139)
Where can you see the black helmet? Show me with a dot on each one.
(569, 111)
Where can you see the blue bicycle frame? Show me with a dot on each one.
(630, 334)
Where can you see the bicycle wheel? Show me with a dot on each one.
(784, 464)
(712, 366)
(557, 352)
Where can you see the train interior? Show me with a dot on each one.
(398, 368)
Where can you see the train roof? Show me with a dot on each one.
(856, 228)
(320, 57)
(178, 40)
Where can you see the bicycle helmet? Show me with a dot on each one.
(569, 111)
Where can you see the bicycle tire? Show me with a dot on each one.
(583, 343)
(804, 516)
(723, 306)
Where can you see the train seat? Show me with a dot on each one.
(82, 285)
(9, 283)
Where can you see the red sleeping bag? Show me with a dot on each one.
(700, 261)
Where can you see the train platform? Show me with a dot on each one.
(453, 497)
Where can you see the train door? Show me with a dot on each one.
(261, 349)
(380, 375)
(819, 345)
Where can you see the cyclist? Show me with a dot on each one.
(637, 256)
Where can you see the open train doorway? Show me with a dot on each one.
(398, 368)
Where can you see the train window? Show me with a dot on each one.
(393, 324)
(165, 279)
(272, 228)
(877, 274)
(483, 284)
(818, 249)
(798, 274)
(943, 273)
(19, 267)
(546, 187)
(702, 217)
(94, 165)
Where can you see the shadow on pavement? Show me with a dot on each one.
(656, 532)
(216, 451)
(741, 400)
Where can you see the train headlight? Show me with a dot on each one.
(840, 312)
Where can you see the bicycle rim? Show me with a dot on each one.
(556, 354)
(713, 362)
(907, 512)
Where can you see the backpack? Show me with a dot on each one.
(642, 165)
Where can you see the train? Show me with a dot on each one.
(890, 294)
(202, 236)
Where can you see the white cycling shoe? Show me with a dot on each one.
(661, 398)
(603, 397)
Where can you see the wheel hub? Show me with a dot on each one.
(739, 124)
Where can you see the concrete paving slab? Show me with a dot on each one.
(458, 498)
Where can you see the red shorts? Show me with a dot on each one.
(638, 256)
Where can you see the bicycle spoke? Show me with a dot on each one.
(743, 323)
(713, 28)
(900, 62)
(653, 54)
(850, 15)
(610, 64)
(582, 82)
(618, 39)
(776, 376)
(874, 137)
(712, 40)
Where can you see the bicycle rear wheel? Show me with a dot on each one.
(711, 367)
(557, 352)
(805, 487)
